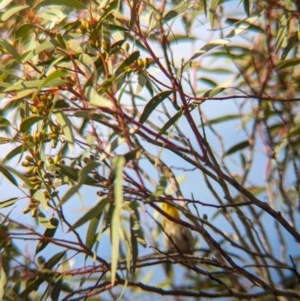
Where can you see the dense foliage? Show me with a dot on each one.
(111, 108)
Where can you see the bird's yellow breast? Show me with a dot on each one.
(171, 210)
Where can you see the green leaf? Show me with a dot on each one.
(45, 222)
(171, 121)
(294, 132)
(160, 189)
(48, 81)
(212, 11)
(69, 3)
(246, 7)
(4, 140)
(243, 25)
(180, 179)
(188, 65)
(12, 11)
(32, 286)
(127, 62)
(16, 151)
(68, 171)
(153, 103)
(56, 290)
(209, 46)
(136, 228)
(67, 126)
(142, 80)
(117, 167)
(55, 259)
(135, 154)
(4, 3)
(40, 196)
(134, 244)
(21, 176)
(222, 119)
(8, 202)
(291, 42)
(91, 237)
(40, 48)
(204, 7)
(48, 233)
(3, 281)
(111, 147)
(20, 85)
(288, 63)
(83, 174)
(169, 15)
(69, 194)
(281, 37)
(92, 213)
(237, 147)
(88, 62)
(61, 41)
(257, 190)
(8, 175)
(96, 99)
(213, 92)
(24, 31)
(22, 94)
(11, 50)
(72, 173)
(28, 122)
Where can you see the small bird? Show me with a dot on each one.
(177, 238)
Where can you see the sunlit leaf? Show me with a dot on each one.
(4, 3)
(40, 196)
(142, 80)
(169, 15)
(22, 94)
(96, 99)
(12, 11)
(212, 11)
(21, 85)
(8, 202)
(243, 25)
